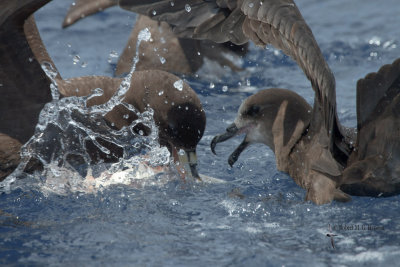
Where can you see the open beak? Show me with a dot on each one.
(188, 159)
(231, 131)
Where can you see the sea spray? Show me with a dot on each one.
(65, 127)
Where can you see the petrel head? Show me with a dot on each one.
(269, 117)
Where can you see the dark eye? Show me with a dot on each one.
(253, 111)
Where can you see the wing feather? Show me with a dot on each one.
(83, 8)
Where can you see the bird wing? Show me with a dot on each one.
(375, 88)
(374, 165)
(378, 111)
(83, 8)
(24, 85)
(276, 22)
(217, 20)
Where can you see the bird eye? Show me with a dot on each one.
(252, 111)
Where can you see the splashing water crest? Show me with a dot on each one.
(63, 132)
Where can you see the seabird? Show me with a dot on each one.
(166, 51)
(282, 120)
(177, 110)
(312, 146)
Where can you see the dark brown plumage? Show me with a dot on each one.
(24, 86)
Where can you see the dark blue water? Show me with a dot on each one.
(176, 224)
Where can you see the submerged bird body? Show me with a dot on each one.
(178, 112)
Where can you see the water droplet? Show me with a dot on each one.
(212, 85)
(224, 88)
(251, 5)
(84, 64)
(181, 152)
(375, 41)
(248, 83)
(162, 60)
(76, 59)
(161, 92)
(144, 35)
(178, 85)
(198, 53)
(126, 116)
(187, 108)
(172, 3)
(111, 56)
(154, 12)
(188, 8)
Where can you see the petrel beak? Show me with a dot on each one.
(231, 131)
(189, 158)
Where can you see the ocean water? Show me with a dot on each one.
(259, 216)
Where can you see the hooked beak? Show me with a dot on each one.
(231, 131)
(189, 158)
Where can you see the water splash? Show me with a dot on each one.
(178, 85)
(68, 130)
(113, 55)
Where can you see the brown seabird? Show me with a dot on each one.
(312, 146)
(166, 51)
(282, 120)
(177, 110)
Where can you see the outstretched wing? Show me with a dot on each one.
(374, 167)
(216, 20)
(276, 22)
(83, 8)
